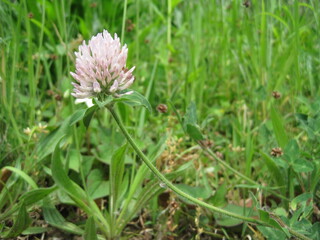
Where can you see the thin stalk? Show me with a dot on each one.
(15, 126)
(137, 28)
(182, 194)
(148, 93)
(31, 77)
(43, 19)
(164, 180)
(290, 183)
(124, 20)
(168, 68)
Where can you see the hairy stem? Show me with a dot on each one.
(182, 194)
(165, 181)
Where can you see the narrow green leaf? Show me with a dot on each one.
(90, 230)
(194, 132)
(85, 115)
(88, 115)
(278, 128)
(315, 177)
(190, 123)
(278, 177)
(219, 197)
(117, 172)
(177, 115)
(135, 99)
(35, 230)
(141, 198)
(77, 116)
(36, 195)
(47, 145)
(55, 219)
(264, 216)
(64, 182)
(301, 199)
(254, 200)
(21, 223)
(23, 175)
(314, 231)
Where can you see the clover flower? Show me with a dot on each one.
(101, 68)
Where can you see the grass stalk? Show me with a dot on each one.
(124, 20)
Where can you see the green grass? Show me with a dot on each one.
(225, 57)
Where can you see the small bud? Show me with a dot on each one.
(66, 94)
(130, 25)
(162, 108)
(27, 131)
(58, 97)
(276, 152)
(50, 92)
(276, 94)
(42, 127)
(30, 15)
(174, 204)
(247, 4)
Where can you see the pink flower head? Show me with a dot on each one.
(101, 67)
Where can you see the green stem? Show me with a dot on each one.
(182, 194)
(290, 183)
(165, 181)
(124, 20)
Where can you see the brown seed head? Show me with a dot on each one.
(276, 152)
(162, 108)
(276, 94)
(247, 4)
(174, 204)
(50, 92)
(30, 15)
(58, 97)
(130, 25)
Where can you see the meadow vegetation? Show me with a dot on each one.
(234, 93)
